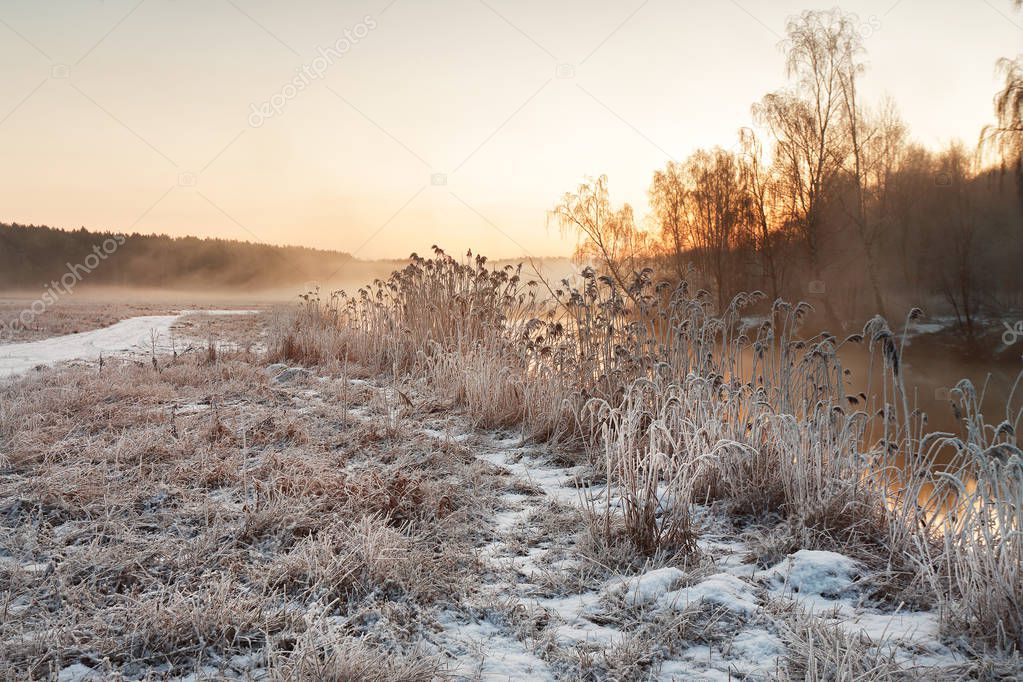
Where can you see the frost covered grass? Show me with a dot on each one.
(672, 403)
(450, 475)
(193, 519)
(974, 547)
(20, 322)
(229, 329)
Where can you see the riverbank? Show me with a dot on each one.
(238, 520)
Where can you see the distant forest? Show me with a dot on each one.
(33, 256)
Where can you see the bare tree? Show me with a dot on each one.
(1006, 135)
(822, 52)
(875, 142)
(909, 190)
(718, 210)
(668, 202)
(761, 188)
(958, 231)
(604, 233)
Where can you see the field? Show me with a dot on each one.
(18, 324)
(450, 476)
(65, 318)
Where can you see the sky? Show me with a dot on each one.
(383, 127)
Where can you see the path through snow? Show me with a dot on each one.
(735, 629)
(134, 335)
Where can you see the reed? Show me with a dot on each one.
(673, 403)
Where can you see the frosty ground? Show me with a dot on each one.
(210, 514)
(136, 337)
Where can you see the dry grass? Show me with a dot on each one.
(473, 333)
(972, 547)
(243, 331)
(672, 403)
(178, 518)
(208, 507)
(68, 316)
(819, 651)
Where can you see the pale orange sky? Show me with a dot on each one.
(129, 115)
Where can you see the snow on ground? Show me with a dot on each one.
(584, 620)
(483, 650)
(647, 587)
(78, 673)
(524, 559)
(721, 589)
(825, 582)
(529, 618)
(813, 573)
(133, 336)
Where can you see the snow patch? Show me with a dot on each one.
(722, 589)
(814, 572)
(758, 645)
(483, 651)
(908, 626)
(132, 335)
(78, 672)
(649, 586)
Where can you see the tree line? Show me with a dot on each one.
(829, 200)
(33, 256)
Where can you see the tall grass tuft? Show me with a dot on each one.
(675, 403)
